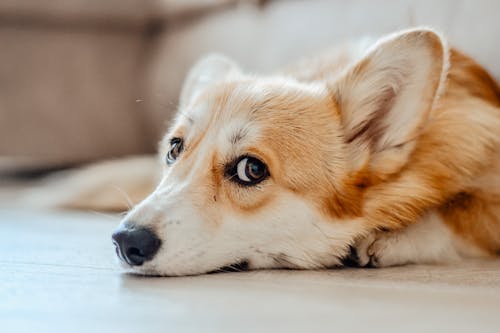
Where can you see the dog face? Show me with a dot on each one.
(272, 172)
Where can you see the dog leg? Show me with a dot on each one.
(428, 241)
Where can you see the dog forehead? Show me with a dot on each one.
(222, 112)
(245, 97)
(232, 115)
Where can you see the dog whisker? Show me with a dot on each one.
(109, 216)
(128, 201)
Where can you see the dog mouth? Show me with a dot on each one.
(240, 266)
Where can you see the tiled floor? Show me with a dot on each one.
(58, 273)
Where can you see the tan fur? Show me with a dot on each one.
(459, 143)
(349, 135)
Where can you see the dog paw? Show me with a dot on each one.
(375, 250)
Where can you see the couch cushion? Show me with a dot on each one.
(263, 38)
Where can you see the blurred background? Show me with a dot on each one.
(86, 80)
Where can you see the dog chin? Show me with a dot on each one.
(149, 269)
(145, 269)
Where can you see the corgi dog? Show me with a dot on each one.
(375, 156)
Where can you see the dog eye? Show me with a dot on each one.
(250, 171)
(176, 146)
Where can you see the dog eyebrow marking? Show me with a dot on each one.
(237, 136)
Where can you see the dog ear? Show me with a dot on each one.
(208, 70)
(385, 98)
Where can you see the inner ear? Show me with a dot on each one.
(385, 98)
(208, 70)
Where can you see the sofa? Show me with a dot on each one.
(86, 80)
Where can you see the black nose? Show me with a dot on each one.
(136, 245)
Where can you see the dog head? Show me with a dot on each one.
(272, 172)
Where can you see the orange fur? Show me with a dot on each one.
(459, 143)
(452, 144)
(370, 139)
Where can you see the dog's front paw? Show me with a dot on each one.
(376, 250)
(364, 250)
(421, 243)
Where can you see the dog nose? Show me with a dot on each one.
(136, 245)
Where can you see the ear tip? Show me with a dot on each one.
(424, 31)
(423, 37)
(215, 59)
(436, 44)
(428, 35)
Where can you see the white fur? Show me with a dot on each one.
(289, 232)
(198, 239)
(427, 241)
